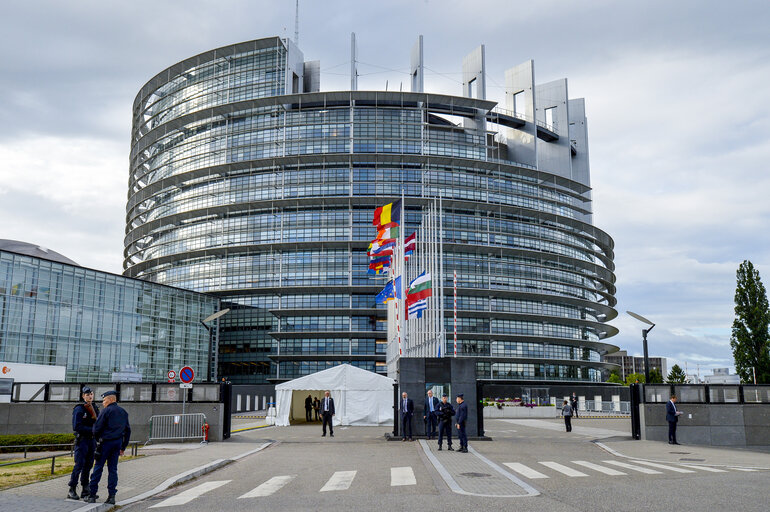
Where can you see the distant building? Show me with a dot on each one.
(692, 378)
(99, 326)
(722, 376)
(635, 364)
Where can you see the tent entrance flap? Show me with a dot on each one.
(297, 412)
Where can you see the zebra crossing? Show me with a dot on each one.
(341, 481)
(630, 467)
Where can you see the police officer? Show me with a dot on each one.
(445, 413)
(112, 433)
(462, 417)
(83, 418)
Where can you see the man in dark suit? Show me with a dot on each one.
(462, 417)
(327, 413)
(309, 408)
(407, 411)
(431, 407)
(573, 401)
(672, 416)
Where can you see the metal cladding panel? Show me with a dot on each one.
(312, 78)
(555, 156)
(522, 142)
(416, 66)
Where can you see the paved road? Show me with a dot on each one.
(530, 465)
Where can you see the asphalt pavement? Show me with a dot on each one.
(528, 465)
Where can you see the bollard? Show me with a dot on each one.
(53, 463)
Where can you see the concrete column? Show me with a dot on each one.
(616, 403)
(238, 404)
(598, 402)
(581, 403)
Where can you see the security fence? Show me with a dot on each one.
(177, 427)
(127, 391)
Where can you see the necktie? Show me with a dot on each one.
(326, 406)
(431, 404)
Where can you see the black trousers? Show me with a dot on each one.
(445, 429)
(308, 414)
(430, 424)
(568, 423)
(672, 431)
(327, 418)
(84, 460)
(406, 424)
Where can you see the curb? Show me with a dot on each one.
(618, 454)
(178, 479)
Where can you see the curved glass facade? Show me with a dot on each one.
(245, 187)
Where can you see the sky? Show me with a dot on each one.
(677, 100)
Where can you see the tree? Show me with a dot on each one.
(655, 376)
(750, 338)
(615, 377)
(676, 375)
(634, 377)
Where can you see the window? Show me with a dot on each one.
(549, 113)
(519, 105)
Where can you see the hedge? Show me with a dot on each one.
(35, 439)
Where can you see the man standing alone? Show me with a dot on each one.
(566, 411)
(431, 407)
(672, 416)
(83, 419)
(407, 410)
(462, 417)
(327, 413)
(112, 433)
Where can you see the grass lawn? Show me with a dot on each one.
(37, 471)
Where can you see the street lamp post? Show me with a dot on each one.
(644, 344)
(213, 348)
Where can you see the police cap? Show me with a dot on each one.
(85, 390)
(460, 395)
(444, 395)
(110, 392)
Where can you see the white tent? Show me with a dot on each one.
(361, 397)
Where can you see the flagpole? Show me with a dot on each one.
(402, 262)
(442, 341)
(455, 309)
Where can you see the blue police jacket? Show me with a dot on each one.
(112, 423)
(462, 413)
(82, 422)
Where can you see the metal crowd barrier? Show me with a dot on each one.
(177, 427)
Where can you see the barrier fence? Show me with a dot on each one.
(177, 427)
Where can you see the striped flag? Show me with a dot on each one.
(420, 288)
(388, 215)
(409, 245)
(415, 309)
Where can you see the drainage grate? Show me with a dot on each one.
(475, 475)
(692, 460)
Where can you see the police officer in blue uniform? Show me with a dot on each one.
(112, 433)
(83, 418)
(462, 417)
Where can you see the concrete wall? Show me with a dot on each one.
(249, 393)
(710, 424)
(56, 418)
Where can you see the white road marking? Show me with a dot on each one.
(663, 466)
(742, 469)
(402, 476)
(340, 481)
(646, 471)
(705, 468)
(190, 494)
(524, 471)
(597, 467)
(563, 469)
(269, 487)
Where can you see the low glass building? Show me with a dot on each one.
(98, 325)
(249, 183)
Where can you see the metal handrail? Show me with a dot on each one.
(134, 451)
(27, 446)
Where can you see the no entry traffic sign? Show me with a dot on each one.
(186, 374)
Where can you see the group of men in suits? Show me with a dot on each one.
(436, 413)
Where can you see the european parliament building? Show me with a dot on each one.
(249, 183)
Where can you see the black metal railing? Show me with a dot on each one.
(706, 393)
(26, 392)
(134, 452)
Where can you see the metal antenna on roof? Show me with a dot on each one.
(296, 23)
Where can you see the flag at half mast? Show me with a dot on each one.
(420, 288)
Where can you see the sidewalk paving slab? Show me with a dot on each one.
(138, 478)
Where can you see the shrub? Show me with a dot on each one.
(34, 439)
